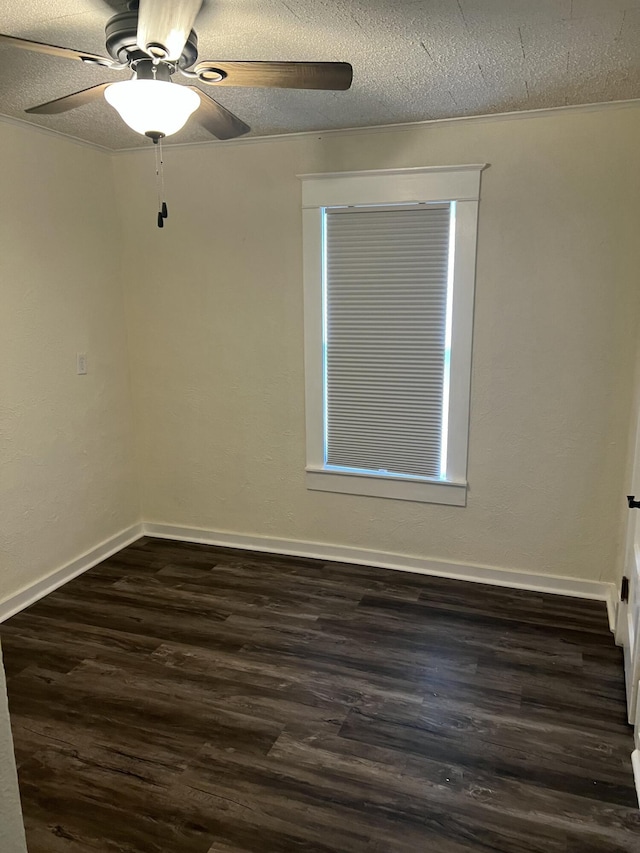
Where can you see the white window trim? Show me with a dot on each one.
(459, 184)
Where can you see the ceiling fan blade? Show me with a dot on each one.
(70, 102)
(283, 75)
(164, 26)
(216, 119)
(53, 50)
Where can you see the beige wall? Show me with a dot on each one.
(12, 838)
(215, 321)
(215, 311)
(67, 479)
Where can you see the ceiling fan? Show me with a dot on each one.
(156, 40)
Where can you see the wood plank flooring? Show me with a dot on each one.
(182, 698)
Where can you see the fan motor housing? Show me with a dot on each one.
(122, 36)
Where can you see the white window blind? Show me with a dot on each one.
(386, 287)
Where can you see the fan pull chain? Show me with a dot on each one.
(163, 212)
(163, 209)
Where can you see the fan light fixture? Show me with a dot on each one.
(152, 107)
(155, 39)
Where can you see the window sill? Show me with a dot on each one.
(371, 485)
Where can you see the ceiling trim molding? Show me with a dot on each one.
(389, 128)
(49, 131)
(402, 170)
(340, 131)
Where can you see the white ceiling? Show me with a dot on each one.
(412, 59)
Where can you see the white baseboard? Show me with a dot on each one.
(635, 763)
(460, 571)
(513, 578)
(613, 599)
(29, 594)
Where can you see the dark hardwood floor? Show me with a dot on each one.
(188, 699)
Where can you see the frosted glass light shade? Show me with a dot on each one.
(152, 106)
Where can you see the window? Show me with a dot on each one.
(389, 268)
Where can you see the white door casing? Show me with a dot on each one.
(628, 613)
(627, 631)
(12, 838)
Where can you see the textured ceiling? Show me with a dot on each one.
(412, 59)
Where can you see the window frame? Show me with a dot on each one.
(459, 185)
